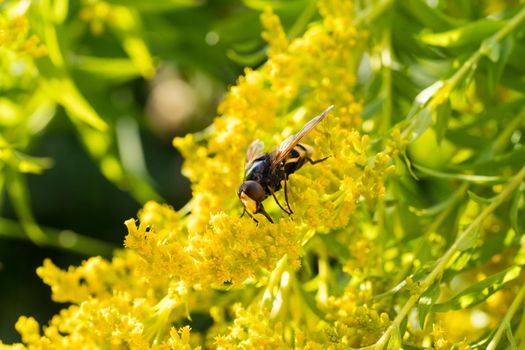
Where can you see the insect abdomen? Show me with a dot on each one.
(296, 158)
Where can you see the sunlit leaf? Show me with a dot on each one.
(431, 17)
(427, 301)
(112, 69)
(421, 123)
(19, 195)
(157, 5)
(478, 179)
(309, 299)
(102, 148)
(128, 27)
(518, 203)
(275, 4)
(33, 165)
(394, 343)
(442, 113)
(63, 239)
(515, 157)
(60, 9)
(479, 292)
(247, 59)
(9, 112)
(495, 71)
(338, 249)
(510, 336)
(66, 94)
(469, 239)
(478, 199)
(472, 33)
(439, 207)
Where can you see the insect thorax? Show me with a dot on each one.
(259, 169)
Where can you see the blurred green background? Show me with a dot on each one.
(151, 71)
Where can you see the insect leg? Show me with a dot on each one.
(243, 211)
(250, 215)
(262, 211)
(317, 160)
(276, 201)
(286, 194)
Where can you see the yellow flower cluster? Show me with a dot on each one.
(98, 14)
(228, 251)
(253, 328)
(113, 305)
(355, 323)
(14, 36)
(178, 264)
(313, 72)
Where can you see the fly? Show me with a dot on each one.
(267, 173)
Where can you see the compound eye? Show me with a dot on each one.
(253, 190)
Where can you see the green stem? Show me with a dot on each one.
(439, 92)
(62, 239)
(506, 320)
(373, 11)
(386, 93)
(432, 228)
(303, 19)
(520, 332)
(504, 137)
(449, 255)
(274, 281)
(19, 196)
(485, 48)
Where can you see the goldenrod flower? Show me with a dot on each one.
(176, 264)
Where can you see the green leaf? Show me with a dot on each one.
(427, 301)
(469, 239)
(477, 179)
(409, 167)
(59, 10)
(260, 5)
(515, 157)
(480, 254)
(23, 163)
(19, 195)
(437, 208)
(113, 69)
(338, 250)
(479, 199)
(510, 336)
(499, 59)
(65, 93)
(127, 26)
(469, 34)
(518, 202)
(421, 123)
(479, 292)
(101, 147)
(502, 111)
(428, 16)
(157, 5)
(491, 48)
(247, 58)
(61, 239)
(394, 343)
(33, 165)
(442, 113)
(309, 299)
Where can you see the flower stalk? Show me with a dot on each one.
(463, 238)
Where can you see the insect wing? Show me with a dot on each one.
(254, 150)
(288, 145)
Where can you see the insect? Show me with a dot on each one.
(264, 172)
